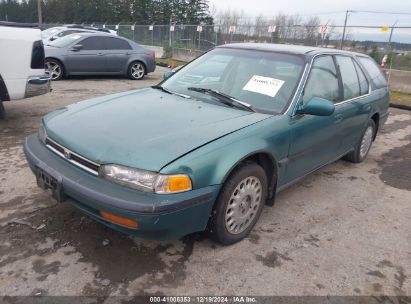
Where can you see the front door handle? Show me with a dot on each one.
(100, 54)
(338, 118)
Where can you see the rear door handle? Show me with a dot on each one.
(338, 118)
(100, 54)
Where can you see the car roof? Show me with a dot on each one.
(307, 51)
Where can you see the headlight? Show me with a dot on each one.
(42, 133)
(145, 180)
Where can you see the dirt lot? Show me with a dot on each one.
(345, 230)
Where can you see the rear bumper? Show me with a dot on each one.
(158, 216)
(37, 85)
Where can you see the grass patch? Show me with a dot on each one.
(169, 62)
(400, 98)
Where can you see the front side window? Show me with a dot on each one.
(92, 43)
(265, 80)
(322, 81)
(376, 75)
(351, 85)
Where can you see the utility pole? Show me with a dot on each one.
(345, 25)
(39, 11)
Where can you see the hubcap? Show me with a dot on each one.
(53, 69)
(137, 70)
(243, 205)
(366, 142)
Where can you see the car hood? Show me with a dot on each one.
(145, 128)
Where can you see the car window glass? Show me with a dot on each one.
(65, 33)
(374, 71)
(364, 86)
(210, 73)
(117, 44)
(265, 80)
(349, 77)
(323, 80)
(92, 43)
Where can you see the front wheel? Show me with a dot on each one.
(136, 70)
(364, 145)
(239, 204)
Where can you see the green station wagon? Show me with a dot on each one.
(214, 142)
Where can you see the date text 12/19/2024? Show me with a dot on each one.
(203, 299)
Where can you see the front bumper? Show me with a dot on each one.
(158, 216)
(37, 85)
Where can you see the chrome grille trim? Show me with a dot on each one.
(88, 165)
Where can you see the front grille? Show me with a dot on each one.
(73, 157)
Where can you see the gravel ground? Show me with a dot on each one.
(344, 230)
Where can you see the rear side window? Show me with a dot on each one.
(323, 80)
(364, 85)
(37, 55)
(117, 44)
(374, 71)
(92, 43)
(351, 85)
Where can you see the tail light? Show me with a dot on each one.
(37, 55)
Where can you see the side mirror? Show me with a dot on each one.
(168, 74)
(317, 106)
(76, 47)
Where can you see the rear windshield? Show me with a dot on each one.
(377, 76)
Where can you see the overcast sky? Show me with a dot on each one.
(333, 11)
(272, 7)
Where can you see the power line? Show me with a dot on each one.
(385, 13)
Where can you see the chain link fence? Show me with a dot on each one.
(185, 42)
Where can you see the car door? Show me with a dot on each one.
(314, 139)
(89, 58)
(354, 108)
(118, 52)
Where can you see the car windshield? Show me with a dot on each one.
(49, 32)
(264, 80)
(66, 40)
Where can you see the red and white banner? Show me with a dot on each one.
(272, 29)
(323, 29)
(231, 29)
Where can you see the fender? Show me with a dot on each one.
(212, 164)
(4, 93)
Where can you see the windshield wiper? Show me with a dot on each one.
(224, 98)
(159, 87)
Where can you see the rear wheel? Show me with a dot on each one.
(54, 69)
(136, 70)
(364, 145)
(239, 204)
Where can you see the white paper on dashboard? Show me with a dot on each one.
(264, 85)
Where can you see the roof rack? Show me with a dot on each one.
(17, 24)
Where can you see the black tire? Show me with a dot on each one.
(219, 226)
(2, 111)
(359, 154)
(136, 70)
(49, 63)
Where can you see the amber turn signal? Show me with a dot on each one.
(119, 220)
